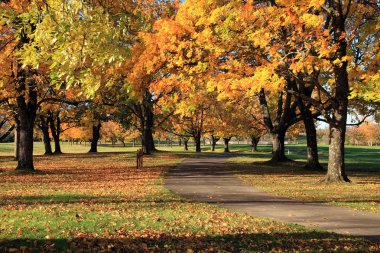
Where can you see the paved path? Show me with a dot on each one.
(207, 179)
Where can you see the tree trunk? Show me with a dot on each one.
(278, 147)
(197, 140)
(95, 138)
(285, 117)
(26, 111)
(147, 141)
(336, 171)
(226, 144)
(147, 124)
(17, 139)
(254, 142)
(180, 142)
(55, 128)
(311, 132)
(44, 126)
(311, 139)
(152, 146)
(214, 140)
(185, 144)
(25, 154)
(336, 167)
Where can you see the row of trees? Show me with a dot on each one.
(297, 62)
(224, 68)
(366, 134)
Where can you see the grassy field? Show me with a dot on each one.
(100, 202)
(293, 181)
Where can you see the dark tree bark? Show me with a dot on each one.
(285, 117)
(197, 140)
(311, 139)
(95, 138)
(180, 142)
(147, 140)
(55, 128)
(226, 144)
(17, 138)
(144, 111)
(44, 126)
(186, 143)
(254, 142)
(27, 105)
(214, 140)
(278, 147)
(308, 120)
(26, 111)
(336, 171)
(152, 145)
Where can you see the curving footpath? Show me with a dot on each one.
(207, 179)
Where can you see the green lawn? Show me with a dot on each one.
(100, 202)
(7, 148)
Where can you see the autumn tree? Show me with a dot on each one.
(42, 49)
(114, 132)
(20, 84)
(192, 109)
(79, 133)
(283, 47)
(365, 134)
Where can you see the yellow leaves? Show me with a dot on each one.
(340, 61)
(367, 87)
(316, 3)
(267, 78)
(312, 20)
(259, 38)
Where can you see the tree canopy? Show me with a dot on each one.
(217, 68)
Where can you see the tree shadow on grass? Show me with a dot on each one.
(147, 241)
(297, 168)
(81, 199)
(47, 200)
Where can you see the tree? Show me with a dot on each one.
(20, 84)
(43, 124)
(38, 42)
(78, 133)
(303, 40)
(114, 132)
(366, 134)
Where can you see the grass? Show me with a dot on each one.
(293, 181)
(101, 203)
